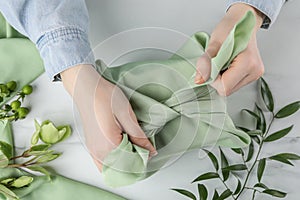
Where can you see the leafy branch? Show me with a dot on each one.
(250, 156)
(32, 159)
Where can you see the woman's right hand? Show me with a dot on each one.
(105, 112)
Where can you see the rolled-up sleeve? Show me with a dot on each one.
(270, 8)
(59, 28)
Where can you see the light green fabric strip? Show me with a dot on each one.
(175, 113)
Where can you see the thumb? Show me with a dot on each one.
(203, 66)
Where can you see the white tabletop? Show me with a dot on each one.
(176, 20)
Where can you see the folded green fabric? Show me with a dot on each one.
(20, 61)
(175, 113)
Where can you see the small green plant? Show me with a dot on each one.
(33, 158)
(251, 156)
(40, 152)
(14, 110)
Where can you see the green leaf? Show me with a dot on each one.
(261, 185)
(3, 160)
(8, 193)
(238, 187)
(237, 167)
(6, 149)
(202, 192)
(225, 194)
(275, 193)
(39, 153)
(254, 132)
(40, 147)
(253, 114)
(216, 195)
(22, 181)
(38, 168)
(213, 159)
(279, 134)
(243, 128)
(266, 95)
(288, 110)
(66, 132)
(256, 139)
(5, 154)
(208, 175)
(290, 156)
(238, 150)
(49, 134)
(281, 159)
(285, 157)
(261, 168)
(186, 193)
(36, 135)
(224, 163)
(7, 181)
(250, 152)
(48, 157)
(261, 123)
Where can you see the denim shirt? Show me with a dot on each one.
(59, 28)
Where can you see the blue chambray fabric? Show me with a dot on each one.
(270, 8)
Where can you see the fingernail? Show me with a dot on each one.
(199, 80)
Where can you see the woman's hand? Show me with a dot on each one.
(246, 67)
(105, 112)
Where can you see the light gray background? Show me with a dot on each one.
(177, 19)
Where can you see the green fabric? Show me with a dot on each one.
(20, 61)
(175, 113)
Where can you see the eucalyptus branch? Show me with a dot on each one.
(256, 158)
(261, 135)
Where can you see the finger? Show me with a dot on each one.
(129, 123)
(203, 66)
(226, 82)
(203, 69)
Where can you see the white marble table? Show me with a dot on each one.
(280, 51)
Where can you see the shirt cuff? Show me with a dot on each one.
(64, 48)
(270, 9)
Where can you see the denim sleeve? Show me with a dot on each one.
(270, 8)
(59, 28)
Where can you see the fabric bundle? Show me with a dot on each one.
(176, 114)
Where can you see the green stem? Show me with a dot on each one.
(16, 157)
(226, 186)
(256, 157)
(253, 194)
